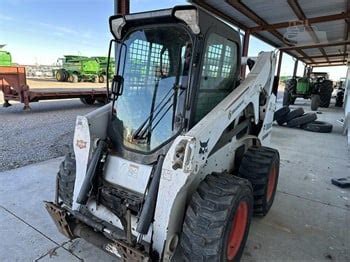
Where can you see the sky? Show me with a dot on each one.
(41, 31)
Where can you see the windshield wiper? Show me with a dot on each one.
(144, 128)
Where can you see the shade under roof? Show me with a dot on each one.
(314, 31)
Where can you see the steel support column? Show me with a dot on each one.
(276, 80)
(245, 51)
(295, 68)
(121, 7)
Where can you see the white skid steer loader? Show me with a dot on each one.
(173, 168)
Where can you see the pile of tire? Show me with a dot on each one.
(297, 118)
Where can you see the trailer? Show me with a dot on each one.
(13, 84)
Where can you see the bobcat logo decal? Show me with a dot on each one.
(203, 147)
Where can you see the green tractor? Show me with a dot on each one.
(5, 58)
(78, 68)
(314, 86)
(103, 61)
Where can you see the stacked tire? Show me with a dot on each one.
(297, 118)
(326, 89)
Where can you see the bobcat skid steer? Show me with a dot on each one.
(173, 168)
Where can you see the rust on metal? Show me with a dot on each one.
(59, 216)
(13, 84)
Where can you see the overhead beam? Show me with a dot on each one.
(314, 20)
(301, 15)
(322, 56)
(324, 44)
(242, 8)
(327, 65)
(219, 14)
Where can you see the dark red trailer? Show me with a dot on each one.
(14, 86)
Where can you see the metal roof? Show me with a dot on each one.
(313, 31)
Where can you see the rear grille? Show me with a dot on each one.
(117, 199)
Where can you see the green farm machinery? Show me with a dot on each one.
(103, 61)
(5, 58)
(315, 86)
(78, 68)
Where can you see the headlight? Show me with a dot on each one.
(190, 17)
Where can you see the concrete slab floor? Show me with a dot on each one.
(309, 221)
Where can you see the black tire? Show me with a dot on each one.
(102, 79)
(294, 114)
(66, 179)
(102, 101)
(326, 89)
(260, 165)
(307, 118)
(210, 218)
(75, 78)
(60, 75)
(289, 90)
(315, 102)
(339, 100)
(87, 100)
(318, 126)
(280, 115)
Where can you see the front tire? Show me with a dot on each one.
(66, 179)
(217, 219)
(260, 165)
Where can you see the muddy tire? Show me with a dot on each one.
(87, 100)
(66, 179)
(261, 167)
(315, 102)
(217, 219)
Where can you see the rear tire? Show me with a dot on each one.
(87, 100)
(261, 167)
(66, 179)
(75, 78)
(326, 90)
(315, 102)
(289, 90)
(217, 219)
(101, 79)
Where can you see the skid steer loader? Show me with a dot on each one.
(173, 168)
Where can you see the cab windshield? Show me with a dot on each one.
(155, 74)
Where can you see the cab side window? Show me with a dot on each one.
(218, 74)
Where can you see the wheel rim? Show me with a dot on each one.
(58, 76)
(272, 182)
(238, 228)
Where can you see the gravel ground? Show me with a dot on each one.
(41, 134)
